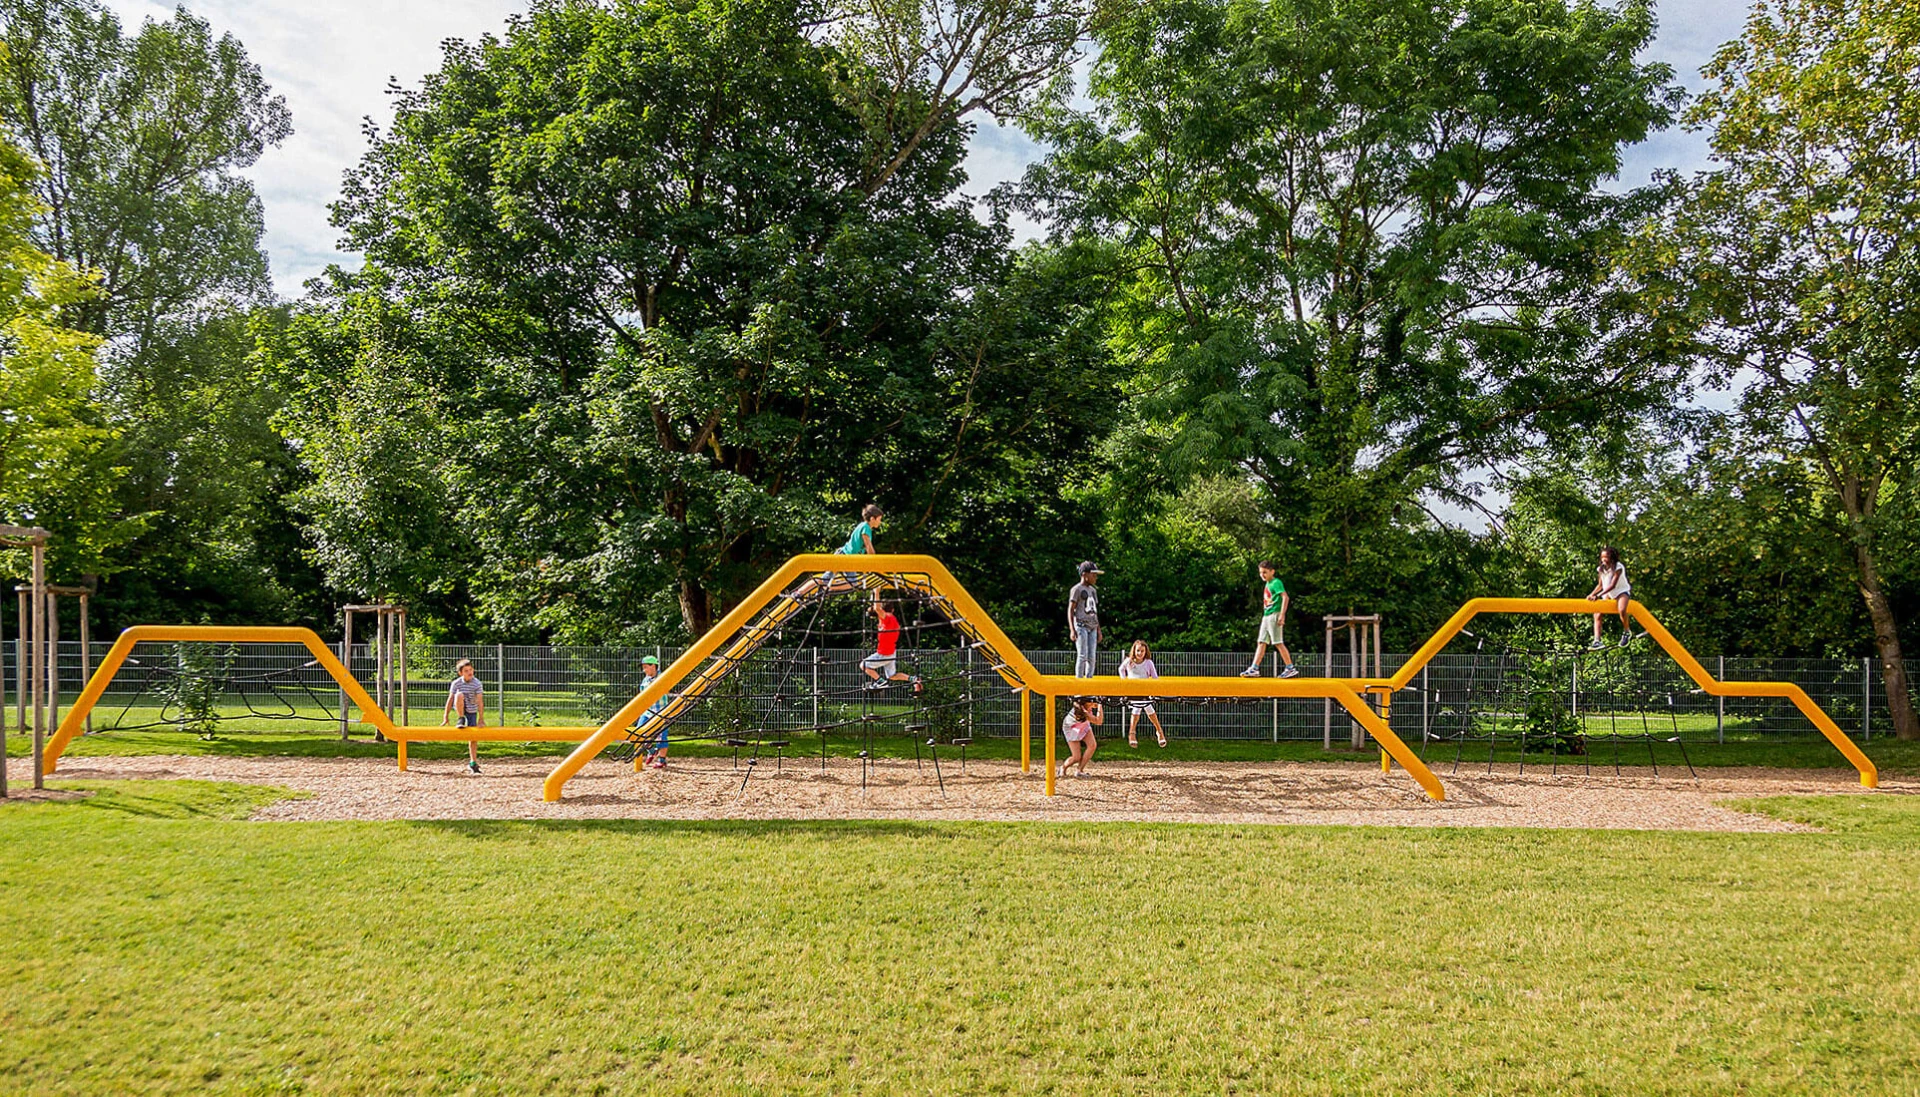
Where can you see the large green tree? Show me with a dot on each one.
(1362, 249)
(55, 446)
(1797, 262)
(668, 290)
(144, 135)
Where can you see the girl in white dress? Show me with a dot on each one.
(1139, 664)
(1611, 585)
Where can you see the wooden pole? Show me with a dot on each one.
(23, 659)
(346, 660)
(40, 668)
(86, 652)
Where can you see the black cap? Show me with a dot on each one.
(1088, 567)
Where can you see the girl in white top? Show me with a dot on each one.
(1139, 664)
(1611, 585)
(1078, 726)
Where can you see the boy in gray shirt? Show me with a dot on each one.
(1083, 619)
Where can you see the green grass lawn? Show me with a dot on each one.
(154, 944)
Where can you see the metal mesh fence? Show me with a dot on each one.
(277, 687)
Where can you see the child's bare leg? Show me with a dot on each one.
(1596, 625)
(1285, 655)
(1133, 730)
(1626, 622)
(1259, 653)
(1158, 731)
(1092, 744)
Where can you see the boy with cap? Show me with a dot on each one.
(1083, 619)
(654, 750)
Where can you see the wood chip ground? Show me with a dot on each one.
(1121, 790)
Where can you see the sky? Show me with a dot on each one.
(333, 62)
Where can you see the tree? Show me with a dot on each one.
(144, 136)
(1362, 250)
(1797, 265)
(56, 452)
(667, 322)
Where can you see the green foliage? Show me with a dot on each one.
(1359, 251)
(729, 710)
(1794, 268)
(944, 694)
(144, 137)
(57, 454)
(642, 318)
(192, 689)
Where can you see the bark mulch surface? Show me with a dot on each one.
(1122, 790)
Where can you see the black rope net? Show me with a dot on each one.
(203, 688)
(1580, 706)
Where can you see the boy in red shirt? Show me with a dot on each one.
(880, 667)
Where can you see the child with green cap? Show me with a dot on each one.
(654, 750)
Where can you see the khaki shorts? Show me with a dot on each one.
(1271, 630)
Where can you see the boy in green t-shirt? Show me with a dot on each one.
(1273, 623)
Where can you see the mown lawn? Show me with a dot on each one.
(153, 943)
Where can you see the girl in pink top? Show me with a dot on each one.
(1139, 664)
(1078, 728)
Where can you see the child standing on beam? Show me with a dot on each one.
(470, 697)
(1273, 623)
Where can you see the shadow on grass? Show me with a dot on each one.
(835, 829)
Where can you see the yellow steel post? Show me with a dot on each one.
(402, 753)
(1026, 731)
(1047, 728)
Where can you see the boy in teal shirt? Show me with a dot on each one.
(1273, 623)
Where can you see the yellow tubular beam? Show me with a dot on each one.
(1047, 728)
(690, 661)
(76, 717)
(1869, 774)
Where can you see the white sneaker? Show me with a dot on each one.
(1290, 671)
(1250, 672)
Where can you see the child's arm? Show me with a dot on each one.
(446, 710)
(1095, 714)
(1285, 601)
(867, 540)
(480, 708)
(1599, 587)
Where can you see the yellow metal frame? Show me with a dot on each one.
(370, 713)
(929, 575)
(1869, 775)
(746, 627)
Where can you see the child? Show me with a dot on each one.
(1273, 623)
(653, 749)
(1078, 728)
(859, 543)
(1139, 664)
(469, 696)
(1083, 619)
(880, 667)
(1612, 584)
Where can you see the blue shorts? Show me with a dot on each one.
(469, 720)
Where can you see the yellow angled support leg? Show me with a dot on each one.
(403, 754)
(1386, 761)
(1047, 728)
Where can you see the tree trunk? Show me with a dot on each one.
(696, 609)
(1886, 643)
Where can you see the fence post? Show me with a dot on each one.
(1276, 701)
(1866, 698)
(500, 660)
(1426, 696)
(1720, 708)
